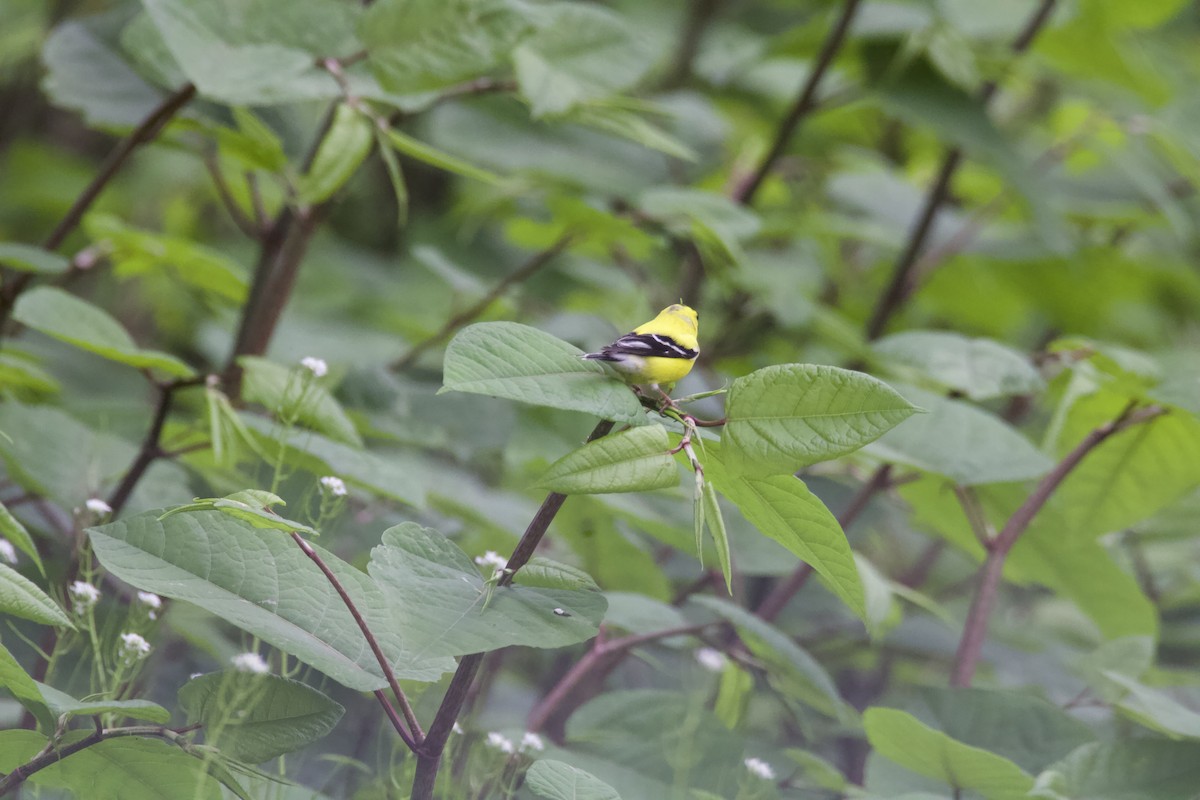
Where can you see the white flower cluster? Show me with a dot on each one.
(7, 551)
(98, 507)
(760, 768)
(316, 366)
(134, 647)
(711, 659)
(334, 485)
(83, 596)
(152, 602)
(250, 662)
(491, 559)
(498, 741)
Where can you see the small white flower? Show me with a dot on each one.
(491, 558)
(134, 647)
(760, 768)
(336, 486)
(84, 595)
(457, 729)
(152, 602)
(250, 662)
(98, 507)
(531, 741)
(711, 659)
(316, 366)
(195, 675)
(7, 551)
(500, 742)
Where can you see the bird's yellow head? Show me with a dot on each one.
(685, 314)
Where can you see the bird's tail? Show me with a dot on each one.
(600, 356)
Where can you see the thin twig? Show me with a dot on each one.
(523, 273)
(805, 102)
(700, 14)
(782, 594)
(429, 755)
(898, 287)
(975, 628)
(413, 735)
(602, 649)
(147, 129)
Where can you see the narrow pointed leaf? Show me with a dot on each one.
(21, 597)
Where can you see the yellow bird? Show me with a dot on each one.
(658, 353)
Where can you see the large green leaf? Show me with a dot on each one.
(556, 780)
(85, 72)
(904, 739)
(21, 597)
(420, 45)
(255, 718)
(581, 53)
(783, 508)
(517, 362)
(636, 460)
(439, 598)
(1131, 475)
(246, 62)
(785, 417)
(643, 742)
(1154, 708)
(77, 322)
(790, 668)
(129, 768)
(1137, 769)
(1025, 729)
(261, 582)
(964, 443)
(978, 368)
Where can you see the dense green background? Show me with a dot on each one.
(995, 216)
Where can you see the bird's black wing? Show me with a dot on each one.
(647, 345)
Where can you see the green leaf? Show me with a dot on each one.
(85, 72)
(294, 394)
(61, 703)
(1137, 769)
(129, 768)
(235, 62)
(342, 151)
(785, 417)
(248, 506)
(27, 692)
(439, 593)
(516, 362)
(580, 54)
(136, 252)
(395, 175)
(783, 508)
(636, 460)
(27, 258)
(254, 718)
(1131, 475)
(12, 530)
(21, 597)
(717, 223)
(715, 522)
(964, 443)
(421, 45)
(79, 323)
(1155, 709)
(902, 738)
(261, 582)
(790, 668)
(556, 780)
(427, 154)
(1025, 729)
(978, 368)
(643, 742)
